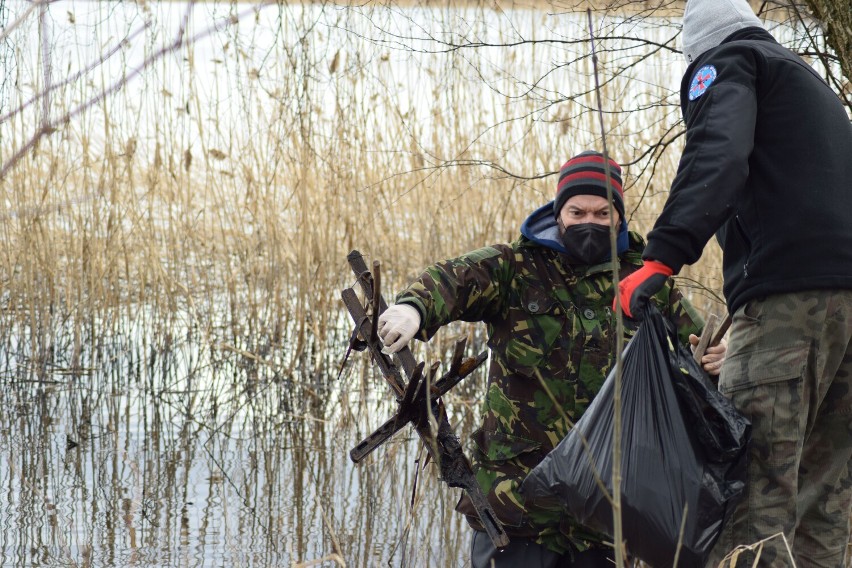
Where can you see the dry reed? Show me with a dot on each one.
(324, 149)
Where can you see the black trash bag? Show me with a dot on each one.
(684, 451)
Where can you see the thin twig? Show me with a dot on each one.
(617, 535)
(4, 33)
(51, 126)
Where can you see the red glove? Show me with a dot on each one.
(636, 289)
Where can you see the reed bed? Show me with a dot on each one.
(176, 218)
(250, 165)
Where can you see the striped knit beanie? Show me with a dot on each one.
(585, 174)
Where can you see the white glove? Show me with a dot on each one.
(397, 325)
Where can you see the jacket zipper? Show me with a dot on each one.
(747, 240)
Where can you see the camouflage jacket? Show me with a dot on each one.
(550, 332)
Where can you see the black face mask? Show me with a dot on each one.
(586, 243)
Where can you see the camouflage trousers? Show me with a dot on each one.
(789, 369)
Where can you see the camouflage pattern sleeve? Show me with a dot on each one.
(682, 313)
(471, 287)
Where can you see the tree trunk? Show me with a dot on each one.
(836, 18)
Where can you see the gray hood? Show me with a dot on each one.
(707, 22)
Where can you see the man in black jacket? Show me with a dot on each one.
(767, 167)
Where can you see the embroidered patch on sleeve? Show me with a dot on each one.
(702, 79)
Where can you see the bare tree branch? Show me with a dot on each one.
(180, 41)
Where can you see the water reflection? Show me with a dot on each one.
(162, 450)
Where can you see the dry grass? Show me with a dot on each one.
(322, 150)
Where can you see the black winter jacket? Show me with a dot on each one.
(767, 166)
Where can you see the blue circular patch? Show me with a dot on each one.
(702, 79)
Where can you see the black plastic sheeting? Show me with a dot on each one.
(684, 452)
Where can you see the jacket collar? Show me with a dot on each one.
(750, 33)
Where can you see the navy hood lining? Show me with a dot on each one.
(541, 227)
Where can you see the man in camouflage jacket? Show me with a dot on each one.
(546, 300)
